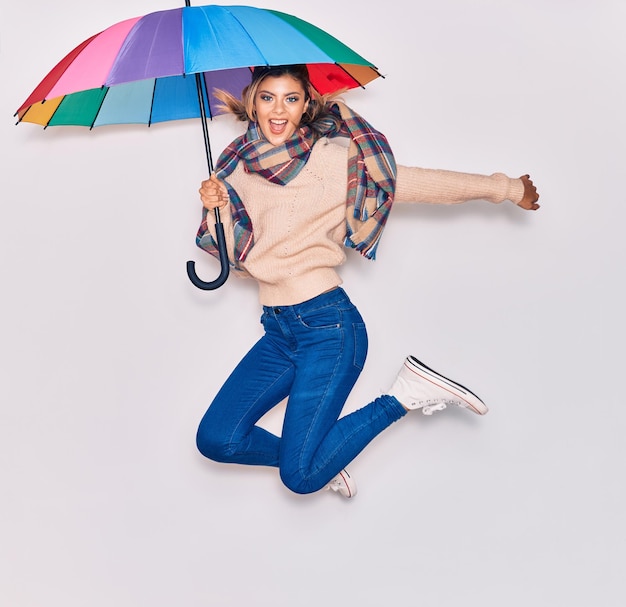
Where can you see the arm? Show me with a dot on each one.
(449, 187)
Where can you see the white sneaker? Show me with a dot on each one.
(418, 387)
(343, 483)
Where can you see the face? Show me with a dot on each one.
(279, 103)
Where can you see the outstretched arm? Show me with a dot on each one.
(450, 187)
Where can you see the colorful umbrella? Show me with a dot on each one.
(138, 71)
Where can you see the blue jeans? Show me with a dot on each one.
(313, 353)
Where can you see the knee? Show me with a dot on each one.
(297, 482)
(212, 444)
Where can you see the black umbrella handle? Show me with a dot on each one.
(221, 247)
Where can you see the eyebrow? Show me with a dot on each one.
(286, 94)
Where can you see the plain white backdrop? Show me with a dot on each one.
(109, 356)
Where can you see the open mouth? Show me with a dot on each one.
(277, 126)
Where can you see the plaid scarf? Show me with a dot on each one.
(371, 178)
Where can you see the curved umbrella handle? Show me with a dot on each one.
(221, 279)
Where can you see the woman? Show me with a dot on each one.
(308, 177)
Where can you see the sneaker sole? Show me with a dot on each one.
(471, 400)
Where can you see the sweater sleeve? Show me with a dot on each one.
(449, 187)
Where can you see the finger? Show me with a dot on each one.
(219, 184)
(210, 189)
(215, 180)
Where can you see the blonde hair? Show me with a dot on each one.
(243, 109)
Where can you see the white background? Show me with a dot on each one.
(109, 356)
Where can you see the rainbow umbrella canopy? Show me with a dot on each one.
(167, 64)
(136, 71)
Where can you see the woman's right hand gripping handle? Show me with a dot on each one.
(213, 193)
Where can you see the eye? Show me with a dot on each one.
(293, 99)
(265, 97)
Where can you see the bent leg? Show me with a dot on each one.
(228, 431)
(316, 445)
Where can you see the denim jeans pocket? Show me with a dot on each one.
(328, 317)
(360, 344)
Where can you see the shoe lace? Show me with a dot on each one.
(334, 485)
(430, 409)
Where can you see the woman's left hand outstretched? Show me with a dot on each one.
(530, 198)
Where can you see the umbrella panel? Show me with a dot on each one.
(162, 99)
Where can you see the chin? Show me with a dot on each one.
(277, 139)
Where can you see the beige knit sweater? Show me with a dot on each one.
(299, 228)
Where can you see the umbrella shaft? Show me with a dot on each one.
(203, 118)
